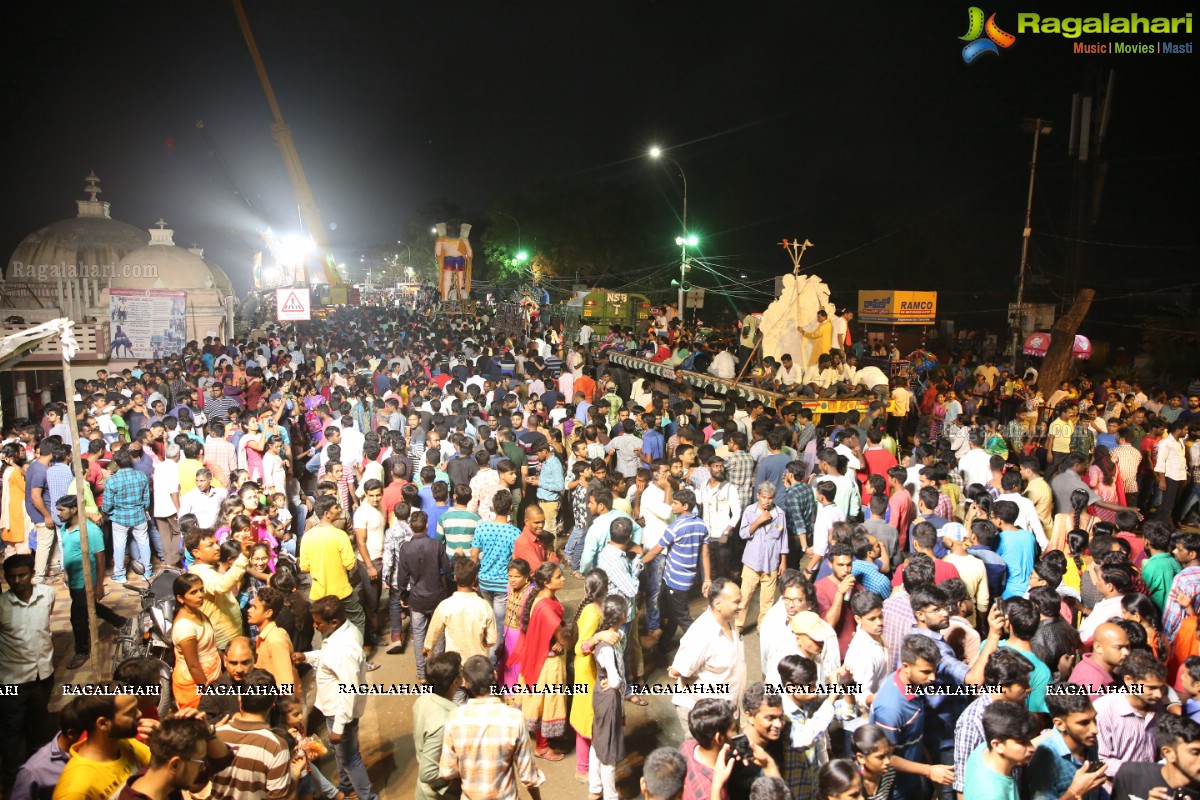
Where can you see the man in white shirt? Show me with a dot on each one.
(369, 524)
(711, 656)
(976, 465)
(166, 504)
(820, 379)
(789, 375)
(352, 444)
(204, 501)
(874, 381)
(721, 510)
(1170, 467)
(841, 329)
(867, 658)
(724, 364)
(340, 662)
(656, 512)
(585, 334)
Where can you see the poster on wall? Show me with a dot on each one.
(149, 323)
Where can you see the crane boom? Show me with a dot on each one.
(282, 134)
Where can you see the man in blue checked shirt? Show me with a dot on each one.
(864, 567)
(686, 543)
(126, 502)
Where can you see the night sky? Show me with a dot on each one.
(857, 126)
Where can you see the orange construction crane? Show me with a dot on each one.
(282, 133)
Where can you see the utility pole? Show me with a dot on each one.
(1089, 124)
(1039, 126)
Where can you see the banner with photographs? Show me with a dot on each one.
(146, 323)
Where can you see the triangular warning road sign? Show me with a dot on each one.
(292, 304)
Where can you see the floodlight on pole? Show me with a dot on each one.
(683, 241)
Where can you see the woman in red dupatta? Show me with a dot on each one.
(543, 661)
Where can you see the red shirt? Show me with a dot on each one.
(941, 572)
(879, 461)
(532, 550)
(902, 512)
(827, 592)
(1089, 672)
(392, 495)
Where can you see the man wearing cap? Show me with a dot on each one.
(811, 633)
(550, 483)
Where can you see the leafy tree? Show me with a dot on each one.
(599, 232)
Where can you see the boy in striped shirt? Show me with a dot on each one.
(686, 543)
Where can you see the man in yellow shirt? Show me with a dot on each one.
(220, 603)
(822, 337)
(191, 463)
(101, 764)
(1058, 438)
(328, 557)
(1038, 492)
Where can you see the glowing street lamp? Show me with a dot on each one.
(684, 241)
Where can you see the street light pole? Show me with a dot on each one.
(657, 153)
(1040, 126)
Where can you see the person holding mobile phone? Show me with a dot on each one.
(1066, 763)
(1177, 777)
(758, 749)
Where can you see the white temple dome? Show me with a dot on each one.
(162, 264)
(91, 238)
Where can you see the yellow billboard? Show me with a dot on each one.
(897, 308)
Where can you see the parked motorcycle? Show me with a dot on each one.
(148, 634)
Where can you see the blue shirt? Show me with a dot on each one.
(551, 480)
(598, 535)
(127, 497)
(35, 478)
(683, 540)
(72, 554)
(1039, 680)
(40, 772)
(58, 478)
(1017, 549)
(768, 543)
(653, 445)
(994, 566)
(902, 718)
(945, 709)
(985, 782)
(1052, 769)
(771, 469)
(871, 578)
(494, 541)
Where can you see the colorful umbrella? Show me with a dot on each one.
(1038, 344)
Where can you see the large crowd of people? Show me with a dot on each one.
(967, 586)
